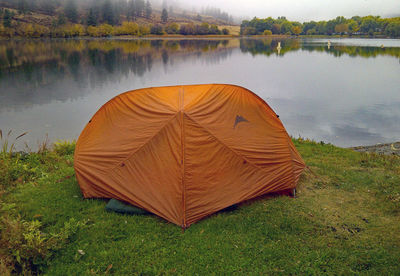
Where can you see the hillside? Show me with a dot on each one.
(67, 20)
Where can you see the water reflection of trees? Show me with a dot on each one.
(35, 72)
(269, 47)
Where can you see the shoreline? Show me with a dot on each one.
(386, 149)
(180, 37)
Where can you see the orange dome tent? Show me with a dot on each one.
(185, 152)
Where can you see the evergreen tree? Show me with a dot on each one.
(22, 6)
(92, 18)
(61, 19)
(148, 9)
(108, 13)
(139, 7)
(49, 6)
(71, 11)
(7, 18)
(131, 10)
(164, 15)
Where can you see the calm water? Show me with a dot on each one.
(347, 94)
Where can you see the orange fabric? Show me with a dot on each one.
(185, 152)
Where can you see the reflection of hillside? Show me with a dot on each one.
(269, 46)
(38, 72)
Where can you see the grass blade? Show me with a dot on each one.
(22, 135)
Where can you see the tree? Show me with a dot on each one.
(61, 19)
(342, 28)
(172, 28)
(139, 7)
(266, 32)
(187, 29)
(108, 13)
(164, 15)
(48, 6)
(92, 18)
(296, 30)
(286, 28)
(276, 28)
(353, 26)
(156, 29)
(214, 29)
(330, 27)
(393, 29)
(149, 10)
(203, 29)
(22, 6)
(71, 11)
(131, 10)
(7, 18)
(368, 24)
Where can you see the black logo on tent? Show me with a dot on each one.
(239, 119)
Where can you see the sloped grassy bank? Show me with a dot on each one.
(345, 220)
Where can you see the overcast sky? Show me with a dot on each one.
(303, 10)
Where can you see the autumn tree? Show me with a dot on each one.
(342, 28)
(296, 30)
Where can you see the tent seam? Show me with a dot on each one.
(144, 144)
(232, 150)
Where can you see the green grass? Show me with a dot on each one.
(345, 220)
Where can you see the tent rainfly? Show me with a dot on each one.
(185, 152)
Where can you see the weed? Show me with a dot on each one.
(64, 147)
(26, 247)
(8, 148)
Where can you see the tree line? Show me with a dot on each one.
(367, 25)
(106, 30)
(96, 18)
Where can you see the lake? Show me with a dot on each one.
(347, 94)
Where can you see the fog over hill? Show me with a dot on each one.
(303, 10)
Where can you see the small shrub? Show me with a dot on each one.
(267, 32)
(157, 29)
(25, 248)
(172, 28)
(64, 147)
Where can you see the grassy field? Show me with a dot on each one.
(344, 220)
